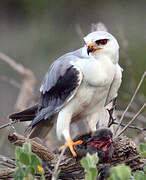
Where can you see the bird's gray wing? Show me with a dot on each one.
(59, 87)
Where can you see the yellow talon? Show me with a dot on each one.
(70, 144)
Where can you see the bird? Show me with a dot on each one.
(78, 85)
(100, 142)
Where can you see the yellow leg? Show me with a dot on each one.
(70, 144)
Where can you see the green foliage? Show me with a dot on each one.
(89, 164)
(28, 163)
(144, 169)
(139, 175)
(142, 148)
(120, 172)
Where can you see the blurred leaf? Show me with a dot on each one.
(18, 152)
(24, 158)
(144, 168)
(94, 160)
(120, 172)
(89, 161)
(19, 165)
(143, 155)
(18, 175)
(35, 161)
(29, 171)
(84, 163)
(27, 147)
(139, 175)
(142, 147)
(89, 164)
(114, 175)
(91, 174)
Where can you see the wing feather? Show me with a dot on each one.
(62, 89)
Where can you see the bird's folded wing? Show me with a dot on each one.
(61, 84)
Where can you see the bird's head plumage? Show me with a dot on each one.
(102, 43)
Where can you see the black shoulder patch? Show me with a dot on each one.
(62, 89)
(53, 99)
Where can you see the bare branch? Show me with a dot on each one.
(132, 127)
(37, 148)
(136, 115)
(123, 147)
(8, 124)
(28, 81)
(5, 161)
(7, 173)
(122, 117)
(11, 81)
(130, 115)
(55, 173)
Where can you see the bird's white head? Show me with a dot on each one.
(101, 43)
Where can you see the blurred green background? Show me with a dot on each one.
(36, 32)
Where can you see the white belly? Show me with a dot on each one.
(88, 99)
(92, 93)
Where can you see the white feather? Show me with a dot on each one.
(100, 78)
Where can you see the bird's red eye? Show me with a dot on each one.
(101, 41)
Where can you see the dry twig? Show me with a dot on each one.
(55, 173)
(132, 127)
(5, 161)
(124, 149)
(136, 115)
(130, 115)
(19, 140)
(28, 81)
(8, 124)
(122, 117)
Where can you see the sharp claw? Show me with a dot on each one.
(78, 142)
(70, 144)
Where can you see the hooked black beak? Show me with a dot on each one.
(89, 50)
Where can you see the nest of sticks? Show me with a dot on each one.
(124, 151)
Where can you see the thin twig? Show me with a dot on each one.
(8, 124)
(127, 160)
(122, 117)
(5, 161)
(55, 173)
(136, 115)
(11, 81)
(27, 84)
(130, 115)
(11, 62)
(132, 127)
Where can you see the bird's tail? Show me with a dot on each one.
(27, 115)
(41, 130)
(43, 126)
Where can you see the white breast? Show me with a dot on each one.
(98, 76)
